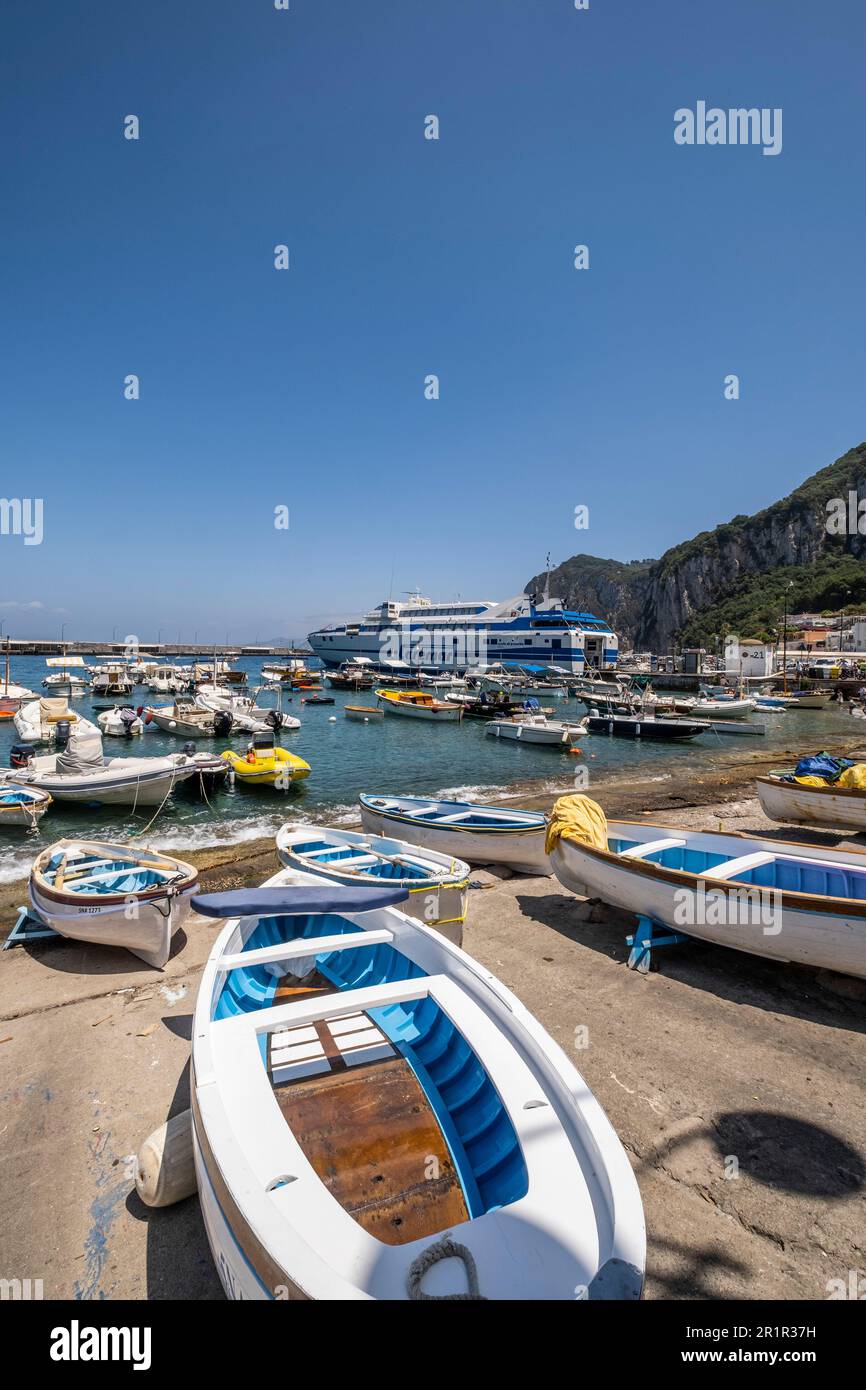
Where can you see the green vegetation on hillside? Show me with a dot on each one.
(752, 607)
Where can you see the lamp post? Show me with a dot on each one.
(841, 611)
(789, 585)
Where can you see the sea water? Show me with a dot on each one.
(386, 755)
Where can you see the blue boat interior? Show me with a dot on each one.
(471, 1116)
(19, 797)
(339, 856)
(785, 874)
(104, 875)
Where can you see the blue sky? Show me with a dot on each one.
(305, 388)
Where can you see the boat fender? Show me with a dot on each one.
(148, 717)
(164, 1168)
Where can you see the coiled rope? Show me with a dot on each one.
(444, 1249)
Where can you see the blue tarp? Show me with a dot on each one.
(822, 765)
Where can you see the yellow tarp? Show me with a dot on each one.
(577, 818)
(811, 781)
(853, 777)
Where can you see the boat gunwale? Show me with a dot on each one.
(770, 780)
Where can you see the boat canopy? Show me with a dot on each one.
(289, 900)
(65, 662)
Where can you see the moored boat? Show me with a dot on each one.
(537, 728)
(266, 765)
(112, 895)
(771, 898)
(185, 719)
(437, 884)
(479, 834)
(120, 722)
(644, 726)
(22, 806)
(50, 720)
(81, 773)
(363, 712)
(339, 1051)
(419, 704)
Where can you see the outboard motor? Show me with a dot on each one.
(62, 730)
(20, 755)
(128, 717)
(222, 723)
(189, 749)
(275, 719)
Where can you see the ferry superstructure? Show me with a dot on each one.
(458, 636)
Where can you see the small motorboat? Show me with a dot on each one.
(479, 834)
(363, 712)
(111, 685)
(266, 765)
(537, 728)
(419, 704)
(50, 720)
(437, 885)
(368, 1102)
(771, 898)
(350, 677)
(185, 719)
(318, 700)
(810, 699)
(13, 696)
(248, 717)
(81, 773)
(644, 726)
(22, 806)
(727, 708)
(112, 895)
(68, 676)
(120, 722)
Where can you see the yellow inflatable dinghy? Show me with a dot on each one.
(266, 765)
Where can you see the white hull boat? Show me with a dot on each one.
(791, 803)
(783, 901)
(478, 834)
(113, 895)
(247, 716)
(419, 704)
(120, 722)
(810, 699)
(437, 885)
(340, 1049)
(187, 720)
(537, 729)
(39, 721)
(22, 806)
(81, 774)
(723, 709)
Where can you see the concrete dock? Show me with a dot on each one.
(736, 1086)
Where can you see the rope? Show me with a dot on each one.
(444, 1249)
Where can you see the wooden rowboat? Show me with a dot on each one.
(369, 1102)
(792, 803)
(479, 834)
(113, 895)
(437, 884)
(771, 898)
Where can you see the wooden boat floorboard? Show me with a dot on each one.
(371, 1136)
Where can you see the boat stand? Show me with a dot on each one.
(28, 928)
(643, 941)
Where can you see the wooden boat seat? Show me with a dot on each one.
(651, 847)
(739, 866)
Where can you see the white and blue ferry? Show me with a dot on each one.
(528, 630)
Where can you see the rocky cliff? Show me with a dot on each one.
(699, 590)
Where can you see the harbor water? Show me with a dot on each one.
(386, 755)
